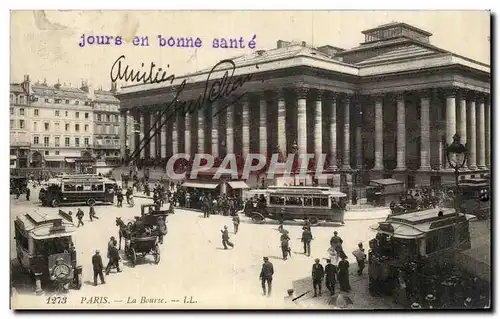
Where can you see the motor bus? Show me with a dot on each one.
(73, 189)
(297, 202)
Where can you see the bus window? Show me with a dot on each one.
(22, 240)
(308, 201)
(439, 240)
(87, 187)
(79, 187)
(69, 187)
(100, 187)
(317, 201)
(276, 200)
(324, 202)
(293, 201)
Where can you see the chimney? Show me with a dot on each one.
(90, 91)
(282, 44)
(58, 85)
(27, 85)
(303, 43)
(84, 87)
(113, 87)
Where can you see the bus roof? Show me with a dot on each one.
(48, 225)
(303, 190)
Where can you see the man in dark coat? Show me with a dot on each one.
(92, 213)
(98, 267)
(225, 238)
(114, 258)
(236, 223)
(266, 275)
(337, 242)
(79, 215)
(317, 276)
(28, 193)
(285, 247)
(330, 276)
(306, 239)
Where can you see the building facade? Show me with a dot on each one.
(386, 108)
(53, 127)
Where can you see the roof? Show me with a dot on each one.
(105, 96)
(47, 225)
(386, 181)
(395, 24)
(16, 88)
(401, 52)
(312, 191)
(62, 92)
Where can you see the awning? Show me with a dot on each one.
(238, 185)
(70, 160)
(54, 158)
(200, 185)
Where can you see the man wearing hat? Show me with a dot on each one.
(285, 247)
(266, 275)
(317, 276)
(416, 305)
(98, 267)
(225, 238)
(306, 240)
(331, 275)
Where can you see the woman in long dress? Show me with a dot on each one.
(332, 255)
(343, 275)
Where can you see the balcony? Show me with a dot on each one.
(107, 146)
(53, 145)
(19, 143)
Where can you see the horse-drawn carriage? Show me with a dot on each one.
(143, 245)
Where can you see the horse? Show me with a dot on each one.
(124, 231)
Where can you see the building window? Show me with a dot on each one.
(57, 101)
(86, 141)
(21, 111)
(86, 103)
(56, 127)
(46, 125)
(117, 129)
(12, 124)
(57, 152)
(66, 127)
(108, 129)
(77, 141)
(67, 101)
(35, 126)
(56, 142)
(86, 116)
(86, 127)
(35, 140)
(57, 112)
(34, 99)
(47, 100)
(36, 112)
(77, 115)
(21, 124)
(77, 102)
(21, 99)
(12, 99)
(108, 119)
(77, 127)
(46, 140)
(112, 117)
(66, 113)
(46, 152)
(66, 141)
(99, 117)
(11, 111)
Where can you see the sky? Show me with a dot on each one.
(45, 44)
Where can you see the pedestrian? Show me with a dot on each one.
(285, 247)
(343, 275)
(281, 221)
(354, 197)
(225, 238)
(98, 267)
(119, 197)
(317, 276)
(332, 255)
(331, 275)
(92, 213)
(18, 192)
(28, 193)
(306, 240)
(114, 259)
(266, 276)
(337, 242)
(79, 215)
(236, 223)
(360, 258)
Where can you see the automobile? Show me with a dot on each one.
(45, 249)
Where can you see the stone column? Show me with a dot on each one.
(481, 150)
(425, 131)
(133, 138)
(245, 127)
(164, 137)
(152, 131)
(230, 130)
(359, 136)
(451, 120)
(187, 134)
(301, 120)
(379, 133)
(215, 131)
(318, 125)
(263, 124)
(346, 157)
(175, 134)
(141, 145)
(123, 133)
(462, 117)
(488, 132)
(401, 132)
(281, 123)
(471, 147)
(201, 130)
(332, 103)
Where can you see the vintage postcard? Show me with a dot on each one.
(250, 160)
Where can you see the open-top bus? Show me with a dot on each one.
(85, 188)
(298, 202)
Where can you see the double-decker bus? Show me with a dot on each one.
(297, 202)
(72, 189)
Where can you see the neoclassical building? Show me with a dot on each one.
(386, 108)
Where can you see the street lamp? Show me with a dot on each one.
(456, 153)
(295, 149)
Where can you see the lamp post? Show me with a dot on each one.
(456, 153)
(295, 149)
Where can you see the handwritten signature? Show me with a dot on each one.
(215, 89)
